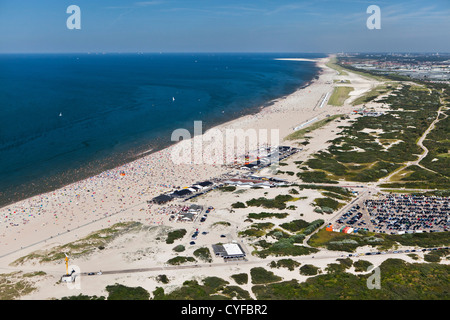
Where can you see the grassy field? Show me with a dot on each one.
(333, 65)
(300, 134)
(16, 284)
(340, 94)
(372, 94)
(338, 241)
(95, 241)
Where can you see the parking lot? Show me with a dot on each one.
(397, 214)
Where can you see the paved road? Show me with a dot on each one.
(332, 255)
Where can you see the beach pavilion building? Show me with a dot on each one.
(161, 199)
(229, 251)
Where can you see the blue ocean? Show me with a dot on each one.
(64, 117)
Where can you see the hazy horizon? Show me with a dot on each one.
(197, 26)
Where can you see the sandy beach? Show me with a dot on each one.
(121, 195)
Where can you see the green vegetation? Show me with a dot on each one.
(309, 270)
(327, 203)
(337, 65)
(235, 292)
(221, 223)
(264, 215)
(213, 288)
(81, 247)
(15, 285)
(285, 247)
(313, 226)
(300, 134)
(180, 260)
(179, 248)
(400, 281)
(333, 64)
(372, 94)
(335, 268)
(436, 255)
(83, 297)
(203, 254)
(238, 205)
(286, 243)
(339, 95)
(280, 234)
(346, 193)
(162, 278)
(279, 202)
(349, 242)
(285, 263)
(34, 274)
(315, 177)
(359, 155)
(240, 278)
(295, 225)
(256, 230)
(175, 235)
(361, 265)
(260, 275)
(121, 292)
(227, 188)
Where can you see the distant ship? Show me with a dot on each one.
(60, 114)
(173, 98)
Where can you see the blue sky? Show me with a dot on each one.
(225, 26)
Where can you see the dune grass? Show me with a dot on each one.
(300, 134)
(339, 95)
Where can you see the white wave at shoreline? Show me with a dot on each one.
(297, 59)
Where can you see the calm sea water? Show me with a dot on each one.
(65, 117)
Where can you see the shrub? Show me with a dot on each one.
(175, 235)
(238, 205)
(309, 270)
(83, 297)
(285, 263)
(361, 265)
(260, 275)
(203, 254)
(264, 215)
(295, 225)
(313, 226)
(327, 203)
(121, 292)
(240, 278)
(179, 248)
(162, 278)
(279, 202)
(227, 188)
(179, 260)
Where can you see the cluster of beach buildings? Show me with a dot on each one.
(245, 180)
(186, 193)
(368, 113)
(271, 156)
